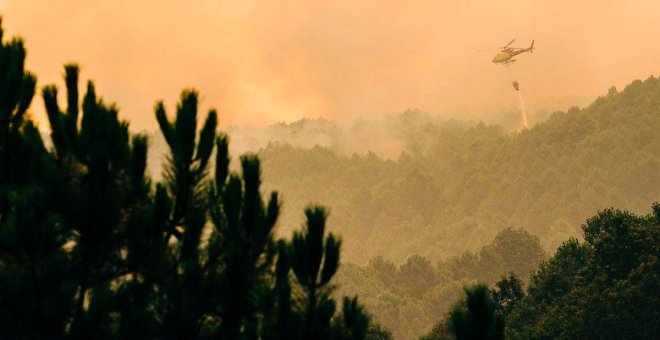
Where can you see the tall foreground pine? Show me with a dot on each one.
(34, 288)
(90, 248)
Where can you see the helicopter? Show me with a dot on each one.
(505, 57)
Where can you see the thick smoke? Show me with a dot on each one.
(337, 59)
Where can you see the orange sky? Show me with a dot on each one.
(259, 62)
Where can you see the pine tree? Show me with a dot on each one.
(315, 260)
(104, 194)
(182, 208)
(17, 88)
(475, 318)
(279, 320)
(90, 248)
(34, 291)
(244, 227)
(353, 323)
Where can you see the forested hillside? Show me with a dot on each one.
(410, 298)
(606, 287)
(440, 240)
(466, 184)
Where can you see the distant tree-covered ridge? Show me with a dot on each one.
(92, 248)
(472, 181)
(409, 298)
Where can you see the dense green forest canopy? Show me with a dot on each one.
(463, 183)
(92, 247)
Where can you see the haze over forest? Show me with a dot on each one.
(367, 174)
(263, 62)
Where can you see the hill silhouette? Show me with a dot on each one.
(467, 182)
(91, 246)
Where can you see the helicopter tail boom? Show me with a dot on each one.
(531, 47)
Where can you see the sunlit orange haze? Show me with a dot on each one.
(261, 62)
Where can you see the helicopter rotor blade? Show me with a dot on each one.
(510, 42)
(499, 48)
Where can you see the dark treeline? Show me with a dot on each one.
(607, 287)
(90, 248)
